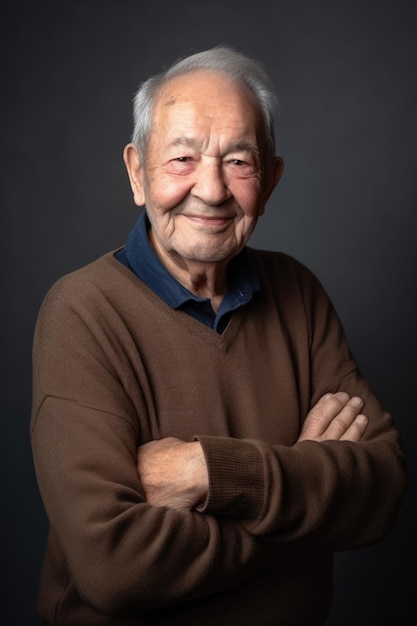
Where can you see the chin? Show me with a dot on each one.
(202, 255)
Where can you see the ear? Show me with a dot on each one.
(272, 177)
(135, 173)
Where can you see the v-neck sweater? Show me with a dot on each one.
(115, 367)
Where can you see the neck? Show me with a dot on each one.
(204, 279)
(207, 280)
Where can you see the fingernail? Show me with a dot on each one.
(355, 401)
(342, 396)
(362, 418)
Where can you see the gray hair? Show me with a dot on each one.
(222, 59)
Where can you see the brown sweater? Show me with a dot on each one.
(115, 367)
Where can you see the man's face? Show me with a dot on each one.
(202, 183)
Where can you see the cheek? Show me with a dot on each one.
(169, 193)
(248, 196)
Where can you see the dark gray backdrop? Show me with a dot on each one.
(345, 73)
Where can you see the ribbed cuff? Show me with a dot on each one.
(236, 477)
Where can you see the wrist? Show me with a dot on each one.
(198, 471)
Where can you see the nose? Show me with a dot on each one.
(210, 184)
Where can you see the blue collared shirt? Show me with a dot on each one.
(139, 256)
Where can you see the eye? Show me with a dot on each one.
(242, 168)
(180, 165)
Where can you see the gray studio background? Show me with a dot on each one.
(345, 73)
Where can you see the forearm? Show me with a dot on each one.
(303, 492)
(121, 551)
(336, 495)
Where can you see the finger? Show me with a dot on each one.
(323, 413)
(329, 398)
(342, 396)
(344, 419)
(356, 430)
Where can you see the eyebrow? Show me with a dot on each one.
(190, 142)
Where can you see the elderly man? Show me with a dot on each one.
(203, 439)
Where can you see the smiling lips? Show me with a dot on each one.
(210, 220)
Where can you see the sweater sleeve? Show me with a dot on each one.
(334, 495)
(120, 551)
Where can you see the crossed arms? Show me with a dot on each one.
(174, 473)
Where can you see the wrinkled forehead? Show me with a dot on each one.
(207, 96)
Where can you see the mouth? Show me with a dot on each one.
(210, 220)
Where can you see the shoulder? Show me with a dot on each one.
(290, 284)
(278, 266)
(87, 291)
(99, 276)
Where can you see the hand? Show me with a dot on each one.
(173, 473)
(335, 417)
